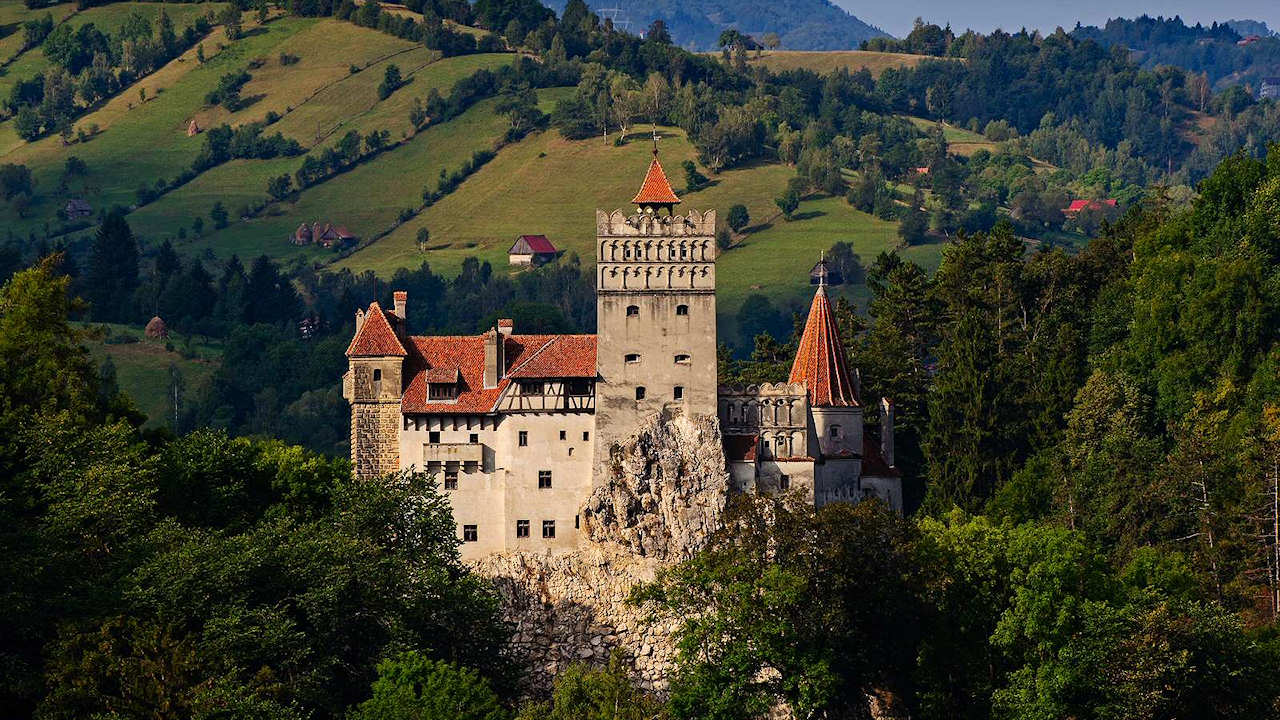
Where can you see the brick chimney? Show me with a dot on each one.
(494, 356)
(886, 430)
(401, 304)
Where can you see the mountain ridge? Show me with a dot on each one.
(697, 24)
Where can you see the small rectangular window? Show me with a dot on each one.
(586, 435)
(474, 438)
(632, 357)
(682, 359)
(679, 392)
(531, 387)
(522, 528)
(563, 435)
(548, 529)
(640, 393)
(469, 533)
(451, 477)
(433, 437)
(577, 522)
(544, 479)
(784, 482)
(524, 438)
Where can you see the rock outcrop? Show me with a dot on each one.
(664, 496)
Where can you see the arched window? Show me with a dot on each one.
(682, 359)
(632, 357)
(633, 310)
(682, 310)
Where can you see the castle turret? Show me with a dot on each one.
(833, 397)
(655, 312)
(373, 385)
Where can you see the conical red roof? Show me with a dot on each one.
(656, 190)
(820, 361)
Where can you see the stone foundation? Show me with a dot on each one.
(665, 494)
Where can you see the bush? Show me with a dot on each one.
(287, 59)
(738, 217)
(412, 686)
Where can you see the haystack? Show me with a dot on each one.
(156, 329)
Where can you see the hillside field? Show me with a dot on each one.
(142, 367)
(826, 61)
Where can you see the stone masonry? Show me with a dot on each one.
(664, 496)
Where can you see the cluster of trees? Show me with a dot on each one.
(1211, 51)
(275, 376)
(432, 31)
(89, 66)
(1093, 439)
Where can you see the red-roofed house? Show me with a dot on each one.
(519, 429)
(1077, 206)
(531, 250)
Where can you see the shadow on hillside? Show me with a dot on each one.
(251, 101)
(253, 31)
(808, 215)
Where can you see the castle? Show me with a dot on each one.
(519, 428)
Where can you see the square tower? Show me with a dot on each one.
(655, 314)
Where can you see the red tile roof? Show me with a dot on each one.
(536, 244)
(527, 356)
(873, 463)
(376, 338)
(820, 360)
(656, 190)
(1078, 205)
(563, 356)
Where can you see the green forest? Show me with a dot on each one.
(1087, 406)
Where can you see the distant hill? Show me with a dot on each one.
(697, 24)
(1250, 27)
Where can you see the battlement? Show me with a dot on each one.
(619, 224)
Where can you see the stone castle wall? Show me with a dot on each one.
(375, 443)
(664, 495)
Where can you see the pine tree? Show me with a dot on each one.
(113, 270)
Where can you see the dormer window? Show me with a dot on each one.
(633, 310)
(632, 357)
(442, 391)
(682, 310)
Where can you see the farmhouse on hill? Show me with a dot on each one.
(323, 234)
(520, 428)
(77, 208)
(532, 250)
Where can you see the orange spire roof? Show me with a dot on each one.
(376, 338)
(656, 190)
(820, 361)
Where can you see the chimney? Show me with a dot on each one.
(506, 326)
(359, 319)
(401, 303)
(494, 360)
(886, 430)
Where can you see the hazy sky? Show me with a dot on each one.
(895, 18)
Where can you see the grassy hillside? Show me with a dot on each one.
(553, 186)
(140, 142)
(142, 367)
(827, 61)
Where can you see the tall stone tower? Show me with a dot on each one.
(373, 384)
(655, 313)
